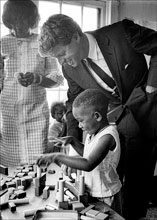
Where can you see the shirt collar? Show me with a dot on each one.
(94, 50)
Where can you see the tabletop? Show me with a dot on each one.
(37, 202)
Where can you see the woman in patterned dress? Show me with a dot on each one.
(25, 113)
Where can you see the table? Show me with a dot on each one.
(38, 202)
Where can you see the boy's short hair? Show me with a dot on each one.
(92, 98)
(55, 105)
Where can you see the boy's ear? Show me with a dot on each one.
(97, 116)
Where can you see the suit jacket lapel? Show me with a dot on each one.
(109, 54)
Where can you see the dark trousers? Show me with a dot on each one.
(138, 134)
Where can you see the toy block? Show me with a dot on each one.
(38, 190)
(3, 170)
(21, 174)
(12, 206)
(87, 209)
(11, 190)
(46, 192)
(24, 183)
(4, 201)
(28, 180)
(40, 180)
(30, 212)
(8, 179)
(72, 188)
(2, 193)
(63, 205)
(3, 184)
(101, 216)
(51, 187)
(38, 171)
(78, 206)
(11, 184)
(84, 199)
(69, 194)
(18, 181)
(92, 213)
(83, 217)
(25, 171)
(81, 185)
(20, 187)
(13, 196)
(20, 194)
(3, 205)
(33, 174)
(20, 201)
(61, 191)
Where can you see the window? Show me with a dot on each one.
(86, 15)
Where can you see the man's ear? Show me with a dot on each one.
(97, 116)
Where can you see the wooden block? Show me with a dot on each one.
(78, 206)
(33, 174)
(63, 205)
(83, 217)
(3, 184)
(21, 174)
(40, 180)
(87, 209)
(18, 181)
(13, 196)
(84, 199)
(39, 190)
(72, 188)
(2, 193)
(46, 192)
(20, 187)
(92, 213)
(3, 170)
(30, 212)
(20, 201)
(12, 206)
(20, 194)
(101, 216)
(11, 184)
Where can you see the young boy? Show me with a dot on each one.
(100, 154)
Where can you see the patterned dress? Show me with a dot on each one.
(25, 112)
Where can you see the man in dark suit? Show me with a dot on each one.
(112, 59)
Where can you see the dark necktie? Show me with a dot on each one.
(102, 74)
(114, 96)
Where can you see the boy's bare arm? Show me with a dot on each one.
(87, 164)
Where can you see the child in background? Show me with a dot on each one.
(25, 112)
(100, 154)
(58, 126)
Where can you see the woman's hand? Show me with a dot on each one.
(25, 79)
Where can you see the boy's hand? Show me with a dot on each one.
(46, 159)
